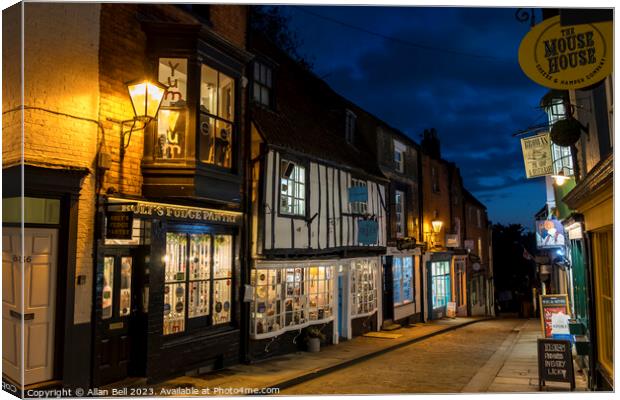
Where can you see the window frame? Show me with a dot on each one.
(401, 149)
(269, 86)
(305, 165)
(350, 126)
(404, 301)
(403, 214)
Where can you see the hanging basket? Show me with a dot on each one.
(566, 132)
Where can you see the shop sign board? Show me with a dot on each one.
(567, 57)
(119, 225)
(151, 209)
(367, 232)
(549, 234)
(555, 362)
(554, 314)
(358, 193)
(452, 240)
(537, 155)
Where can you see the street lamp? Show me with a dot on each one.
(560, 178)
(437, 224)
(146, 98)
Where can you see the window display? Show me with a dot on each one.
(108, 288)
(440, 283)
(172, 116)
(217, 115)
(402, 274)
(124, 303)
(198, 271)
(363, 286)
(290, 297)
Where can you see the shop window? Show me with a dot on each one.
(402, 273)
(358, 207)
(107, 295)
(172, 116)
(292, 188)
(399, 156)
(124, 306)
(262, 87)
(363, 287)
(202, 263)
(399, 212)
(290, 297)
(440, 283)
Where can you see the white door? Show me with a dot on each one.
(38, 311)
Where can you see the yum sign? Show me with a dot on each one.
(567, 57)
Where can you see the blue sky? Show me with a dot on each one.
(454, 69)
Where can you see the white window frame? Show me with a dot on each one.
(399, 200)
(399, 156)
(358, 207)
(295, 195)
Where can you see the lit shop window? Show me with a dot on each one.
(290, 297)
(217, 116)
(440, 283)
(172, 116)
(124, 308)
(358, 207)
(364, 287)
(107, 295)
(208, 259)
(402, 273)
(292, 188)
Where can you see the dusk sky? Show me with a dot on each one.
(454, 69)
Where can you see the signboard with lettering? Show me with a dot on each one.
(567, 57)
(367, 231)
(358, 193)
(452, 240)
(147, 208)
(554, 314)
(555, 362)
(537, 155)
(119, 225)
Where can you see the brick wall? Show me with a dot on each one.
(432, 200)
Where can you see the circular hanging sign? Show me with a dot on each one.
(567, 57)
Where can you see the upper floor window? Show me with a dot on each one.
(217, 115)
(292, 188)
(349, 130)
(399, 212)
(358, 207)
(261, 90)
(478, 218)
(435, 179)
(399, 156)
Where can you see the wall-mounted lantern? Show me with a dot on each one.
(437, 224)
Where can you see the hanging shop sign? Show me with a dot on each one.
(407, 243)
(567, 57)
(367, 232)
(537, 155)
(555, 362)
(151, 209)
(452, 240)
(119, 225)
(554, 314)
(358, 193)
(549, 234)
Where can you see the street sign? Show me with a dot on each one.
(555, 362)
(553, 311)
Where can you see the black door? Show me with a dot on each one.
(120, 336)
(388, 289)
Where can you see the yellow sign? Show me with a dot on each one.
(567, 57)
(537, 155)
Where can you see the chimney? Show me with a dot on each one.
(430, 143)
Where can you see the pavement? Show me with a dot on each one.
(292, 369)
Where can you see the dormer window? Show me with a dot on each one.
(262, 88)
(349, 129)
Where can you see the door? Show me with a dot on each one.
(37, 312)
(121, 316)
(388, 290)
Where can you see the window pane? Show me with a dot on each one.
(108, 288)
(256, 71)
(264, 97)
(221, 301)
(198, 298)
(397, 279)
(226, 98)
(173, 73)
(174, 308)
(175, 259)
(223, 144)
(256, 92)
(125, 289)
(408, 279)
(207, 139)
(171, 125)
(222, 256)
(208, 90)
(199, 257)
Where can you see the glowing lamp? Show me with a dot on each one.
(146, 98)
(560, 178)
(437, 224)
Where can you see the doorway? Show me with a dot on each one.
(36, 314)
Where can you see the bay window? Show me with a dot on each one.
(173, 113)
(364, 287)
(198, 273)
(440, 273)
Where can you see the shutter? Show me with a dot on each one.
(411, 163)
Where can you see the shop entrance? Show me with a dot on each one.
(122, 306)
(38, 308)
